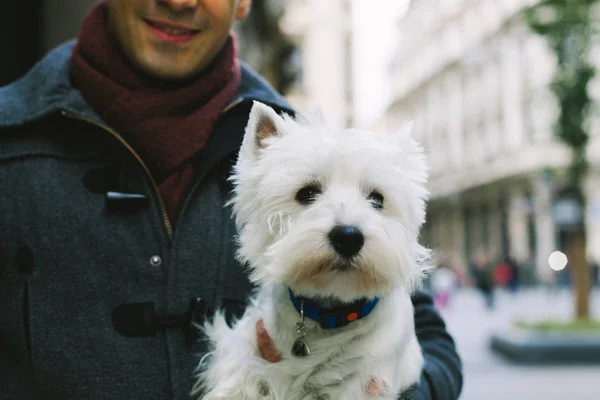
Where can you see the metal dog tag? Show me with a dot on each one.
(300, 347)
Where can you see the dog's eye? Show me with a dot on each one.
(308, 194)
(376, 199)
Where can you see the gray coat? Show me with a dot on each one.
(96, 290)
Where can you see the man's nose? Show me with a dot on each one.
(179, 5)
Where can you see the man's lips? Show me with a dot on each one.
(171, 32)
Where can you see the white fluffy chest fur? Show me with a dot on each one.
(381, 346)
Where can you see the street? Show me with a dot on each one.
(489, 377)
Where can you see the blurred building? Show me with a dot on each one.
(32, 28)
(322, 32)
(475, 81)
(265, 47)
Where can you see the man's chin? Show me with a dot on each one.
(167, 70)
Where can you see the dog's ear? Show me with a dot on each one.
(315, 114)
(406, 131)
(264, 123)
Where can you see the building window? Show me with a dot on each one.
(469, 245)
(531, 226)
(485, 225)
(504, 233)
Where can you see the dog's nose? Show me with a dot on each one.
(346, 240)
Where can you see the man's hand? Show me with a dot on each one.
(265, 344)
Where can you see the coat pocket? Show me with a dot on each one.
(16, 364)
(25, 265)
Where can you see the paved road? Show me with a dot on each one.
(488, 377)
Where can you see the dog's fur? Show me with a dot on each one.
(285, 244)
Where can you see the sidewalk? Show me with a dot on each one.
(488, 377)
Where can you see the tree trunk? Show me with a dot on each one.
(580, 275)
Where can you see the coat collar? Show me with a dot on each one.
(46, 89)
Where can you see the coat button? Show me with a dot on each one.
(155, 261)
(124, 202)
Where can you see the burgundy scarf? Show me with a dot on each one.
(166, 124)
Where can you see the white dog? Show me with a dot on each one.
(328, 224)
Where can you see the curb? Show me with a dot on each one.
(526, 347)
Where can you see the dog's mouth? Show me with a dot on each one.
(336, 275)
(344, 266)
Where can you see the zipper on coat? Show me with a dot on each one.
(163, 209)
(232, 104)
(161, 203)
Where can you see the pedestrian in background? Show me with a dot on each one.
(481, 274)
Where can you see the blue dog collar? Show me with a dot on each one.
(337, 317)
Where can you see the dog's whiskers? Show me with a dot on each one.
(387, 233)
(275, 219)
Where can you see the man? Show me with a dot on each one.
(114, 155)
